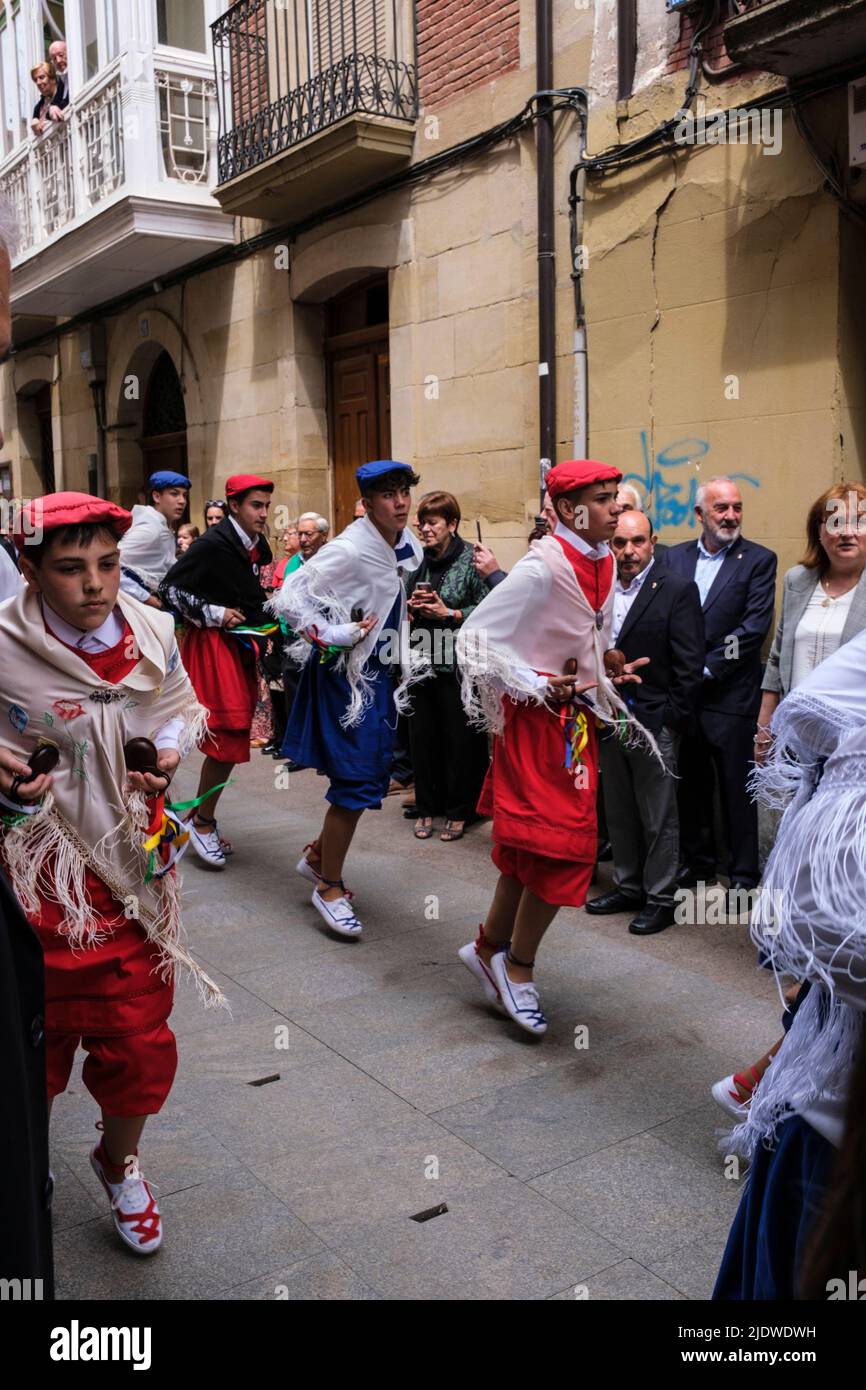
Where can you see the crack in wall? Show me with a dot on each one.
(659, 213)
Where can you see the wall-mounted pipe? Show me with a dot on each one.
(546, 242)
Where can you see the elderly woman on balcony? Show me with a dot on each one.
(53, 99)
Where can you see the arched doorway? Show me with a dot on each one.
(359, 389)
(163, 423)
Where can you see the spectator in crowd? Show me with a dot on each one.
(736, 581)
(149, 548)
(448, 754)
(57, 56)
(628, 498)
(290, 543)
(487, 566)
(823, 607)
(186, 534)
(52, 101)
(215, 511)
(312, 532)
(655, 614)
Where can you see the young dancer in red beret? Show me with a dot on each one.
(86, 845)
(532, 657)
(216, 589)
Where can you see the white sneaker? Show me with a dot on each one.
(339, 915)
(725, 1095)
(206, 844)
(475, 965)
(520, 1001)
(306, 870)
(134, 1209)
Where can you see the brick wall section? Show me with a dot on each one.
(714, 46)
(461, 45)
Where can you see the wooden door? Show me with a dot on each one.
(360, 418)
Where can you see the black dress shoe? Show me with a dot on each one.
(613, 902)
(605, 853)
(269, 749)
(652, 919)
(292, 766)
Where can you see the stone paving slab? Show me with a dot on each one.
(559, 1166)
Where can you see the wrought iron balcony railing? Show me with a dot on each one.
(288, 69)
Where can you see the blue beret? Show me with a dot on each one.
(368, 471)
(167, 479)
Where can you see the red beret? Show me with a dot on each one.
(568, 477)
(242, 482)
(45, 514)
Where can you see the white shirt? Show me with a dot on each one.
(100, 639)
(708, 567)
(819, 631)
(249, 541)
(623, 600)
(572, 538)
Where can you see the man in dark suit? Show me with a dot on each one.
(736, 580)
(656, 614)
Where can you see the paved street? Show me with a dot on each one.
(559, 1167)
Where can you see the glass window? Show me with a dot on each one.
(111, 41)
(89, 38)
(180, 24)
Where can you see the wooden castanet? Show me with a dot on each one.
(614, 663)
(140, 755)
(44, 759)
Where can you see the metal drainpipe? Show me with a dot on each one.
(581, 360)
(546, 242)
(98, 392)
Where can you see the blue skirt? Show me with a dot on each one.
(356, 761)
(785, 1192)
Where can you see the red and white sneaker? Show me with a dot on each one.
(476, 966)
(133, 1207)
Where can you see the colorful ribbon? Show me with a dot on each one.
(170, 833)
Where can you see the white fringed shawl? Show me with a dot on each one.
(536, 620)
(86, 820)
(810, 723)
(810, 919)
(356, 570)
(149, 546)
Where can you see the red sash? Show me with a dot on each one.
(594, 576)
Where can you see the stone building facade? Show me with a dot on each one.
(722, 286)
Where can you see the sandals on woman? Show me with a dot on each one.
(453, 831)
(423, 827)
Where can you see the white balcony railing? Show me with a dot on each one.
(63, 175)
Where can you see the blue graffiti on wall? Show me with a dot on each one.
(671, 499)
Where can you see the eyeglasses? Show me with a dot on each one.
(216, 502)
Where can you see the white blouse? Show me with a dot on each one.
(819, 631)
